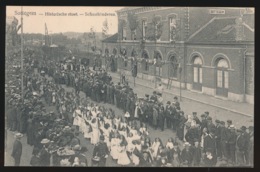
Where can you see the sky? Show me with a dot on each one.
(35, 21)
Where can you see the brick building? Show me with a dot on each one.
(204, 50)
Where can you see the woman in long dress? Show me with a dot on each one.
(95, 131)
(155, 147)
(123, 159)
(115, 141)
(143, 129)
(86, 131)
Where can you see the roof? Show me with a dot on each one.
(111, 39)
(222, 30)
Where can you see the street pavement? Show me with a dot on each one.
(187, 105)
(245, 109)
(27, 149)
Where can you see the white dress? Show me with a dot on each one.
(95, 133)
(135, 158)
(75, 118)
(114, 147)
(122, 156)
(155, 148)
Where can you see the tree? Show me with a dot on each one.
(154, 29)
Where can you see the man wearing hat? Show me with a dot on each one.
(210, 144)
(17, 149)
(187, 154)
(251, 146)
(196, 118)
(101, 151)
(45, 156)
(154, 97)
(241, 146)
(232, 144)
(229, 122)
(210, 124)
(169, 114)
(218, 136)
(204, 122)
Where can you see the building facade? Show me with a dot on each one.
(204, 50)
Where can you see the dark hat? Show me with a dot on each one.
(101, 137)
(168, 102)
(229, 121)
(243, 128)
(146, 95)
(209, 118)
(207, 113)
(194, 113)
(175, 97)
(202, 115)
(222, 122)
(217, 121)
(159, 94)
(154, 92)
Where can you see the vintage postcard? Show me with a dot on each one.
(129, 86)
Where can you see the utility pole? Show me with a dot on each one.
(22, 72)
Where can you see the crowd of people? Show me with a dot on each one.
(124, 137)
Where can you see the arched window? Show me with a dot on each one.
(222, 77)
(197, 70)
(173, 66)
(157, 61)
(197, 73)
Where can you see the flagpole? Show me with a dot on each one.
(22, 72)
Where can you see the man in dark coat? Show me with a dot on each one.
(241, 146)
(210, 144)
(44, 154)
(187, 154)
(224, 136)
(192, 135)
(196, 118)
(232, 144)
(218, 138)
(101, 151)
(196, 153)
(180, 128)
(161, 117)
(204, 122)
(169, 114)
(17, 149)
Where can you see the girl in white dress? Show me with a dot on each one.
(88, 132)
(95, 131)
(106, 133)
(155, 147)
(144, 130)
(123, 159)
(75, 117)
(115, 141)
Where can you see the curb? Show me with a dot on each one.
(230, 110)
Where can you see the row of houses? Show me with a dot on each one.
(204, 50)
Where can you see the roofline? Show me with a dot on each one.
(195, 33)
(203, 27)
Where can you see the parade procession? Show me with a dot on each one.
(64, 107)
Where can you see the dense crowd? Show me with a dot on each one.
(55, 136)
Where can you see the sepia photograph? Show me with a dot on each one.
(129, 86)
